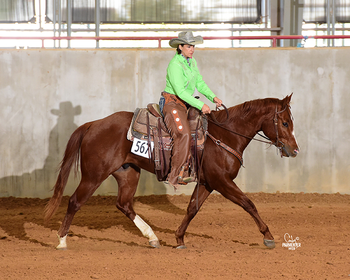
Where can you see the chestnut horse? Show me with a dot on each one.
(103, 150)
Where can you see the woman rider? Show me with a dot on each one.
(182, 79)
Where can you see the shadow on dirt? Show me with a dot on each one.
(99, 213)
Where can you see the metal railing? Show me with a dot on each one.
(273, 38)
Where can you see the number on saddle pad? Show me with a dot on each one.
(140, 148)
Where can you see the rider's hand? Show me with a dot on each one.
(217, 101)
(205, 109)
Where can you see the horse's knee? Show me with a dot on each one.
(73, 205)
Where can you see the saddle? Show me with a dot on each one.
(148, 125)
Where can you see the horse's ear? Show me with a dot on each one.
(288, 98)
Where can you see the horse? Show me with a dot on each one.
(102, 148)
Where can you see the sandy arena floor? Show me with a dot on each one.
(222, 241)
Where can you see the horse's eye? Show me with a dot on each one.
(285, 124)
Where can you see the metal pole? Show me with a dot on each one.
(282, 22)
(69, 20)
(328, 21)
(40, 25)
(97, 21)
(59, 22)
(54, 21)
(333, 20)
(263, 11)
(232, 44)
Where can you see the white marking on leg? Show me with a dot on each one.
(145, 228)
(63, 243)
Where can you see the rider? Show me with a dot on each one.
(181, 80)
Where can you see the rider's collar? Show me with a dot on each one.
(187, 59)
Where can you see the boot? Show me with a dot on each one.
(184, 177)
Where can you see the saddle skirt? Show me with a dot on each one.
(148, 125)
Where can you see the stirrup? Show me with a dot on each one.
(186, 180)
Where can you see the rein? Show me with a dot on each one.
(235, 153)
(227, 148)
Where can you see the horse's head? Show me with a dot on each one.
(280, 129)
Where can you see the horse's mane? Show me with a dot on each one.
(243, 110)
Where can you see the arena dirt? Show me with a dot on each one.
(222, 241)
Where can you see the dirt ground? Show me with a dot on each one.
(222, 241)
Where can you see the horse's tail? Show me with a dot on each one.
(71, 156)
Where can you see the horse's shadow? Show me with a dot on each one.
(115, 218)
(26, 210)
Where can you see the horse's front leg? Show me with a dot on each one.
(199, 195)
(231, 191)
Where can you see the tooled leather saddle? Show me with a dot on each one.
(148, 125)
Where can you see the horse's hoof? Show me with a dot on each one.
(154, 243)
(61, 248)
(269, 243)
(181, 247)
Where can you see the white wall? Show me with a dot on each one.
(46, 94)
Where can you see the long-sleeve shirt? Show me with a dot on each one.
(183, 78)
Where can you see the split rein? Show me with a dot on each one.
(232, 151)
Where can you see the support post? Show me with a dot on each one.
(69, 21)
(59, 22)
(292, 20)
(97, 22)
(276, 17)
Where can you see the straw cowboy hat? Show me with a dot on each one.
(187, 38)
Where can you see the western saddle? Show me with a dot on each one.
(148, 125)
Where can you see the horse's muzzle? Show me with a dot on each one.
(289, 151)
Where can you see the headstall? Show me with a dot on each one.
(234, 152)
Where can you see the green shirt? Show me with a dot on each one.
(182, 79)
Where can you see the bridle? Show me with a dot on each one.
(278, 144)
(275, 121)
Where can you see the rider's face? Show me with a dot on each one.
(187, 50)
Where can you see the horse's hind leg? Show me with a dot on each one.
(127, 178)
(84, 191)
(198, 197)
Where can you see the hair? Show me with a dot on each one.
(178, 49)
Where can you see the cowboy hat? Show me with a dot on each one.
(187, 38)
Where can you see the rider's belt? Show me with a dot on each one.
(173, 98)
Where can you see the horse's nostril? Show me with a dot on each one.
(296, 151)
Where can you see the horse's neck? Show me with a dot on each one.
(252, 114)
(240, 128)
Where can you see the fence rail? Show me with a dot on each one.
(273, 38)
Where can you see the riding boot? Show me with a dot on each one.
(184, 176)
(175, 118)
